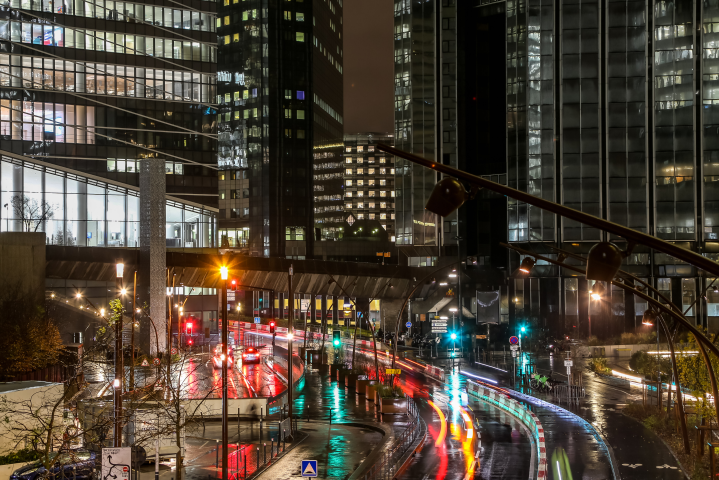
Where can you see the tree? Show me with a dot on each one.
(31, 339)
(30, 212)
(64, 237)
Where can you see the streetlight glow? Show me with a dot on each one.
(119, 269)
(290, 336)
(116, 383)
(102, 312)
(123, 291)
(78, 295)
(223, 273)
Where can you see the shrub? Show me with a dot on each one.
(21, 456)
(599, 365)
(390, 392)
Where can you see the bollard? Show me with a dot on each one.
(264, 454)
(284, 439)
(217, 456)
(272, 447)
(245, 460)
(258, 457)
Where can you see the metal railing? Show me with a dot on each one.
(568, 393)
(395, 456)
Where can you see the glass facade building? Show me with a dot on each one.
(77, 210)
(280, 124)
(96, 87)
(425, 56)
(612, 110)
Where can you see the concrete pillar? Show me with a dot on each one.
(152, 271)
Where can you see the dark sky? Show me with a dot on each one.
(368, 66)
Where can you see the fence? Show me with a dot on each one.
(245, 460)
(568, 393)
(396, 455)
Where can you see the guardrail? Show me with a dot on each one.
(503, 401)
(394, 458)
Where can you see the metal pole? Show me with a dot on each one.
(290, 333)
(631, 235)
(119, 373)
(225, 337)
(132, 334)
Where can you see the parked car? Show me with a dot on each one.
(76, 463)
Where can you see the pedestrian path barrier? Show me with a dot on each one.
(395, 457)
(503, 401)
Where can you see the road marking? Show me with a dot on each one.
(667, 467)
(633, 465)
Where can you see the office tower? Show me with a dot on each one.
(93, 89)
(369, 181)
(280, 130)
(616, 119)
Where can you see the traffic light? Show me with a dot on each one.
(272, 326)
(336, 340)
(523, 329)
(453, 336)
(233, 284)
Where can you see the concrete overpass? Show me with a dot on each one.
(201, 269)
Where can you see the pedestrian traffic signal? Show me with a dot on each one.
(272, 326)
(336, 340)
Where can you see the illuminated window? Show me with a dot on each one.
(348, 171)
(383, 193)
(300, 114)
(383, 182)
(383, 205)
(288, 113)
(300, 17)
(348, 149)
(227, 20)
(360, 205)
(371, 205)
(371, 193)
(360, 148)
(382, 160)
(288, 94)
(348, 183)
(227, 39)
(300, 36)
(360, 183)
(288, 15)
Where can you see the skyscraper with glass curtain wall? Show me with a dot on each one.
(612, 110)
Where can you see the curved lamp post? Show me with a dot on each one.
(702, 341)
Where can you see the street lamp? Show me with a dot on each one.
(595, 294)
(117, 433)
(527, 265)
(225, 339)
(649, 317)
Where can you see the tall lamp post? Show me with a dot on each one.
(225, 337)
(117, 383)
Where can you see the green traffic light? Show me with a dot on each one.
(336, 343)
(523, 329)
(453, 336)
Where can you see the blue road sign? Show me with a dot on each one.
(309, 468)
(408, 324)
(257, 319)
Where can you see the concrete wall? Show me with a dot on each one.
(22, 260)
(31, 404)
(616, 351)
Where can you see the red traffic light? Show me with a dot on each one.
(233, 284)
(189, 342)
(189, 325)
(272, 326)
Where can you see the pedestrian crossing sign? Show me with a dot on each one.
(309, 468)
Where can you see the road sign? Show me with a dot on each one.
(439, 330)
(408, 324)
(309, 468)
(257, 319)
(514, 353)
(116, 463)
(514, 348)
(145, 363)
(173, 350)
(156, 361)
(230, 296)
(436, 340)
(393, 371)
(513, 340)
(568, 363)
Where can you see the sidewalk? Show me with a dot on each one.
(639, 453)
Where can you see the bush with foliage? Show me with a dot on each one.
(386, 391)
(645, 364)
(599, 365)
(21, 456)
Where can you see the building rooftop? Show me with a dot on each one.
(6, 387)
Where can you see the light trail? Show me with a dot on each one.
(477, 376)
(443, 428)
